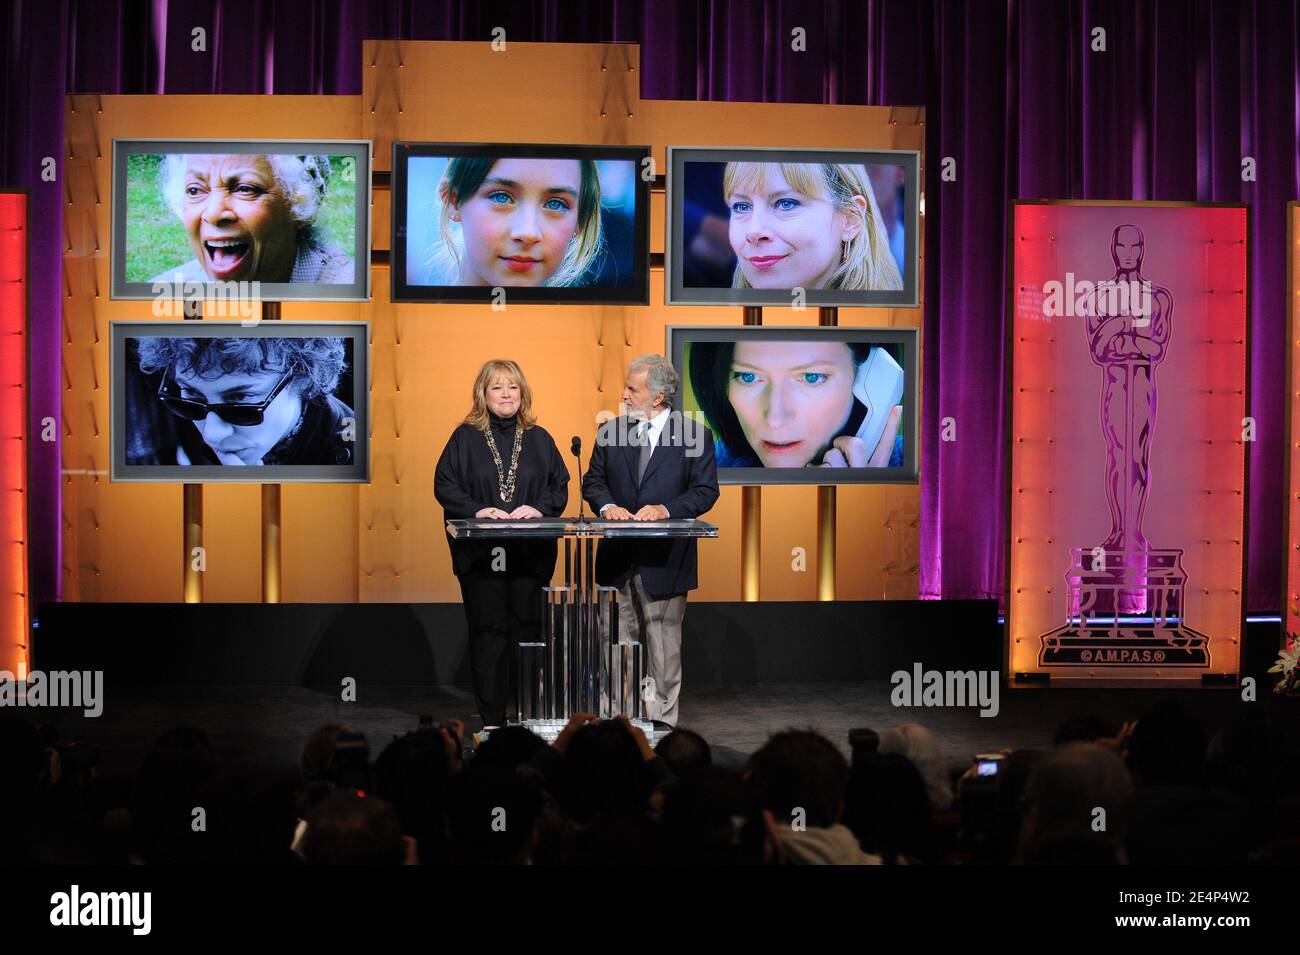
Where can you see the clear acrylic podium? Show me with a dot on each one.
(581, 662)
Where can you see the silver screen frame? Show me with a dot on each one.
(361, 149)
(908, 338)
(402, 291)
(675, 293)
(356, 473)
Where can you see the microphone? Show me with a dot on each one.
(575, 448)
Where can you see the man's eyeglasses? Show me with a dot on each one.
(240, 415)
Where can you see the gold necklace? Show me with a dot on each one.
(505, 482)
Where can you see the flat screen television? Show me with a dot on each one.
(264, 220)
(816, 227)
(508, 222)
(215, 401)
(824, 405)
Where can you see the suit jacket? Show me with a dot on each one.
(681, 475)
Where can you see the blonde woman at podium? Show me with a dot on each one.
(500, 465)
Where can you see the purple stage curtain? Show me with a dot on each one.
(1184, 90)
(1182, 94)
(31, 130)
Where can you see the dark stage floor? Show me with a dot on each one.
(261, 728)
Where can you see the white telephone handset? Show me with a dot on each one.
(879, 386)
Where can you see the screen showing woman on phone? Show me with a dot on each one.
(799, 403)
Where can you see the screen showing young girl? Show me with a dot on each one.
(799, 403)
(548, 224)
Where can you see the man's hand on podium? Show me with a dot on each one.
(525, 512)
(616, 513)
(493, 513)
(651, 512)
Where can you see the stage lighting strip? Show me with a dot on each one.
(1291, 567)
(13, 433)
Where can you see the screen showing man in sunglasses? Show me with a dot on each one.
(240, 401)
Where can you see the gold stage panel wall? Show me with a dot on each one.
(384, 541)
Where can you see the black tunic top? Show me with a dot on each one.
(465, 482)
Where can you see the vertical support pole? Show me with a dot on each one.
(826, 543)
(751, 508)
(591, 627)
(826, 501)
(192, 511)
(270, 543)
(271, 511)
(751, 532)
(193, 538)
(568, 648)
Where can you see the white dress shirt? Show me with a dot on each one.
(656, 426)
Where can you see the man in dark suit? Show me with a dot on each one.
(652, 465)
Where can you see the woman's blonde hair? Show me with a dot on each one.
(463, 177)
(478, 414)
(866, 261)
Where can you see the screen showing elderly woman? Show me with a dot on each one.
(239, 402)
(293, 220)
(800, 402)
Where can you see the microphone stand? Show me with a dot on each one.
(576, 448)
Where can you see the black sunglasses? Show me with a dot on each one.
(240, 415)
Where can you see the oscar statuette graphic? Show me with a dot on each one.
(1124, 604)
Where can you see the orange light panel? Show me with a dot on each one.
(13, 433)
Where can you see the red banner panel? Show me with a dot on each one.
(1128, 440)
(13, 433)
